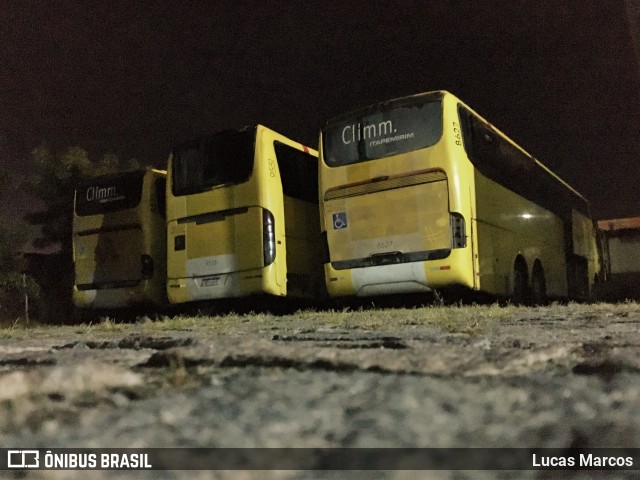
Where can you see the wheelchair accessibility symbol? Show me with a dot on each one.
(339, 220)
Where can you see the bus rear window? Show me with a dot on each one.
(110, 193)
(390, 130)
(221, 159)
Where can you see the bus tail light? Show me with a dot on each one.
(268, 237)
(458, 231)
(325, 248)
(146, 266)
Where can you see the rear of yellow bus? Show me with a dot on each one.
(224, 218)
(396, 198)
(119, 247)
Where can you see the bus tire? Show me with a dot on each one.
(520, 282)
(538, 285)
(578, 278)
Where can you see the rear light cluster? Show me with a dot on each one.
(146, 268)
(268, 237)
(325, 248)
(458, 231)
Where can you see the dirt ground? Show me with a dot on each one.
(562, 376)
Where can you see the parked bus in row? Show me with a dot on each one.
(421, 193)
(119, 241)
(243, 217)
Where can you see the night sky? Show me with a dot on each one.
(133, 78)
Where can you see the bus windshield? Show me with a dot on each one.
(221, 159)
(110, 193)
(390, 130)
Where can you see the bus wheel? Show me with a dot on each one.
(520, 282)
(578, 278)
(538, 285)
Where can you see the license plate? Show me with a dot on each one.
(210, 282)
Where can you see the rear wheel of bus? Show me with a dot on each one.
(520, 282)
(538, 285)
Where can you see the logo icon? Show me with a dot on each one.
(339, 220)
(23, 459)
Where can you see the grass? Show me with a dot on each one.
(458, 318)
(473, 320)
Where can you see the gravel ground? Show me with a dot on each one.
(548, 377)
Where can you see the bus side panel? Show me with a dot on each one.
(495, 275)
(509, 225)
(268, 191)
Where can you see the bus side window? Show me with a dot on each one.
(298, 172)
(493, 155)
(499, 160)
(161, 196)
(486, 144)
(469, 135)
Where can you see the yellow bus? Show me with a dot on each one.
(243, 217)
(421, 193)
(119, 241)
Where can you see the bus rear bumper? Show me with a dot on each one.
(109, 298)
(213, 287)
(377, 280)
